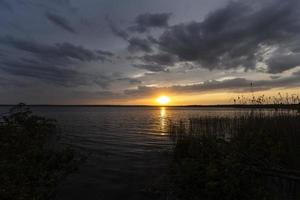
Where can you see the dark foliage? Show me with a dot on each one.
(32, 162)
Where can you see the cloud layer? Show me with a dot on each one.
(236, 85)
(53, 63)
(236, 35)
(99, 50)
(240, 35)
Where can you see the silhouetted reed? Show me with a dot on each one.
(245, 156)
(276, 100)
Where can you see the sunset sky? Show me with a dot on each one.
(132, 51)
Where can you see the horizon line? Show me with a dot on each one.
(132, 105)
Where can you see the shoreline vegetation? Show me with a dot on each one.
(33, 162)
(245, 156)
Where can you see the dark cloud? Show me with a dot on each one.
(139, 44)
(54, 64)
(280, 63)
(105, 53)
(58, 75)
(5, 5)
(150, 67)
(59, 52)
(236, 35)
(145, 21)
(60, 22)
(135, 44)
(44, 72)
(116, 30)
(159, 59)
(131, 81)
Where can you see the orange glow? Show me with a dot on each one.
(181, 99)
(163, 100)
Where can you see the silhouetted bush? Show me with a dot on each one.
(32, 162)
(251, 156)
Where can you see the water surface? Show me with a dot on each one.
(126, 147)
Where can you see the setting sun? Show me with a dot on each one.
(163, 100)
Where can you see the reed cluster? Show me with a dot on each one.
(246, 156)
(279, 99)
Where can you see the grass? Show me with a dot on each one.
(250, 156)
(32, 160)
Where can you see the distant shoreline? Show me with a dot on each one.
(273, 106)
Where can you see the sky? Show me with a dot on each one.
(131, 51)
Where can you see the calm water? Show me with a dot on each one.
(126, 147)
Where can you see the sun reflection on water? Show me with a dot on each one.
(163, 120)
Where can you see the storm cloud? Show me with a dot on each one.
(46, 73)
(60, 22)
(280, 63)
(236, 35)
(60, 75)
(159, 59)
(139, 44)
(59, 51)
(144, 22)
(53, 64)
(116, 30)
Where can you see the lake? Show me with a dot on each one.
(126, 146)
